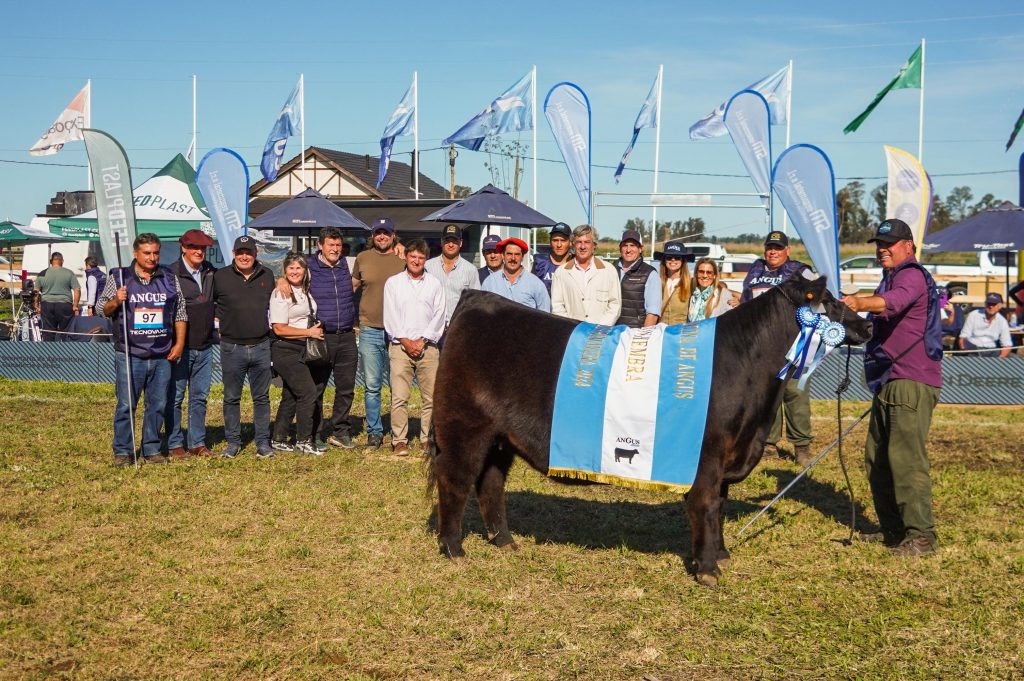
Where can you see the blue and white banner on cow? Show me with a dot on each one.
(647, 118)
(775, 89)
(511, 111)
(400, 123)
(568, 112)
(748, 121)
(115, 205)
(223, 180)
(909, 192)
(804, 183)
(289, 123)
(631, 404)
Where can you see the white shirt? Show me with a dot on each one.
(414, 308)
(295, 315)
(984, 334)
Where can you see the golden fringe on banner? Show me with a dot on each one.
(606, 479)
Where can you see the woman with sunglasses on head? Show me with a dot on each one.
(709, 297)
(675, 283)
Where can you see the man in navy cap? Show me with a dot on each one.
(765, 274)
(641, 284)
(492, 259)
(987, 329)
(455, 272)
(195, 368)
(545, 264)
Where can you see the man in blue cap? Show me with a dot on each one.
(492, 259)
(545, 264)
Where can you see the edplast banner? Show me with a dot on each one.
(115, 208)
(804, 183)
(909, 192)
(568, 112)
(749, 124)
(223, 180)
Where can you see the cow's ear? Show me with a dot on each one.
(814, 290)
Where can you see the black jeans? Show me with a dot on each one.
(56, 317)
(341, 348)
(302, 390)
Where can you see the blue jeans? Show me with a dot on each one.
(150, 376)
(237, 363)
(373, 355)
(193, 371)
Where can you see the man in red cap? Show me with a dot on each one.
(515, 283)
(194, 370)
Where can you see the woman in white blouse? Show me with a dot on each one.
(303, 384)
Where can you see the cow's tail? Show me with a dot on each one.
(429, 459)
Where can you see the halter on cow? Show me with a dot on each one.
(495, 390)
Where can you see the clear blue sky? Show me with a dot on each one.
(358, 59)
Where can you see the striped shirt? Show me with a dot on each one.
(461, 277)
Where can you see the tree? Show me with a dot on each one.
(959, 203)
(854, 220)
(880, 196)
(505, 162)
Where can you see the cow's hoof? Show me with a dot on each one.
(451, 553)
(505, 542)
(724, 562)
(707, 579)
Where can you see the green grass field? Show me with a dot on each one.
(328, 568)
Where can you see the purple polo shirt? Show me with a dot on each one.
(903, 323)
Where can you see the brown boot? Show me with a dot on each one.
(201, 450)
(178, 454)
(803, 454)
(770, 451)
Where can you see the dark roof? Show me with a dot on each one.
(362, 170)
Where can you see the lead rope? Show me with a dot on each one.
(844, 384)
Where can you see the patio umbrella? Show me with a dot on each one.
(995, 229)
(490, 206)
(13, 234)
(304, 213)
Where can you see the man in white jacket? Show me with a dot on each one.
(586, 288)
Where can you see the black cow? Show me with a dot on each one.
(495, 391)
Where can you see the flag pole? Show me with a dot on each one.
(920, 115)
(88, 124)
(533, 104)
(657, 156)
(302, 115)
(416, 133)
(195, 150)
(789, 121)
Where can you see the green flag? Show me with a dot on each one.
(1016, 128)
(908, 77)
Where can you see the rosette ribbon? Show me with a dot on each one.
(818, 336)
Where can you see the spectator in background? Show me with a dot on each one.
(95, 282)
(455, 272)
(641, 286)
(987, 329)
(585, 288)
(194, 371)
(373, 268)
(545, 264)
(492, 259)
(710, 296)
(414, 314)
(515, 283)
(951, 318)
(59, 293)
(675, 282)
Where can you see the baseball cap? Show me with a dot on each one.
(383, 223)
(776, 238)
(245, 243)
(451, 232)
(561, 229)
(491, 242)
(993, 299)
(674, 249)
(892, 230)
(631, 235)
(195, 237)
(512, 240)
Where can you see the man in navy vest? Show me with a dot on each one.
(145, 302)
(765, 274)
(641, 284)
(330, 285)
(241, 293)
(545, 264)
(195, 368)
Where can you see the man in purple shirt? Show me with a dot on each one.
(906, 383)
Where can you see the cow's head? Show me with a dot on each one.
(813, 293)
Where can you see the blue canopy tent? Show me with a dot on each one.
(490, 206)
(305, 212)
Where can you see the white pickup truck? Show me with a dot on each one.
(728, 263)
(861, 269)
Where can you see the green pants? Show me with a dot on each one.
(796, 409)
(897, 463)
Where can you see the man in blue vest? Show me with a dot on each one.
(330, 285)
(765, 274)
(545, 264)
(641, 284)
(144, 302)
(194, 371)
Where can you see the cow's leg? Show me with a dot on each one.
(703, 506)
(490, 495)
(722, 554)
(456, 466)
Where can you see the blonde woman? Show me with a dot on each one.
(675, 283)
(709, 297)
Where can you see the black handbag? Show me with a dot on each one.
(315, 352)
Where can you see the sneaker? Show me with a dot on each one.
(281, 446)
(264, 453)
(343, 441)
(122, 460)
(401, 449)
(156, 458)
(770, 452)
(374, 440)
(307, 447)
(914, 547)
(803, 454)
(231, 451)
(320, 445)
